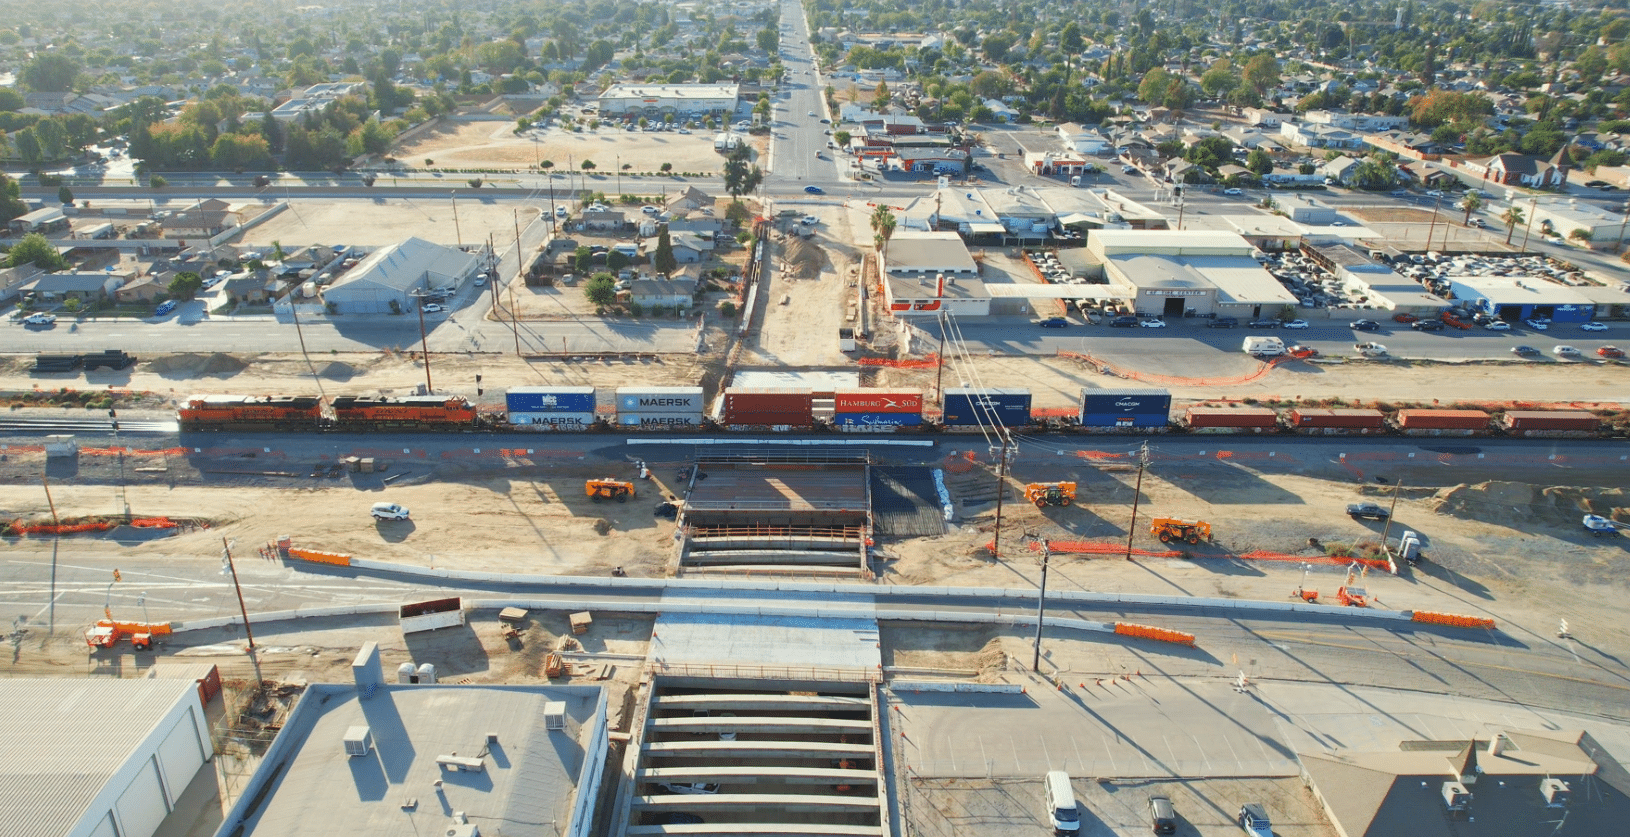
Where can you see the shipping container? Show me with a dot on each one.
(750, 422)
(660, 421)
(550, 400)
(1551, 420)
(773, 407)
(1126, 401)
(659, 399)
(967, 407)
(878, 401)
(1349, 419)
(1442, 419)
(877, 419)
(1252, 417)
(553, 421)
(1123, 420)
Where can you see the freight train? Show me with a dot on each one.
(775, 410)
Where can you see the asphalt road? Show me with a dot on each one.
(799, 156)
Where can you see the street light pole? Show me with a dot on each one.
(520, 271)
(1041, 603)
(226, 556)
(424, 344)
(453, 196)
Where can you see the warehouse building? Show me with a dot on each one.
(669, 99)
(385, 281)
(429, 758)
(99, 757)
(1182, 273)
(1516, 298)
(928, 272)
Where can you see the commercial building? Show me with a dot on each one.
(1379, 285)
(669, 99)
(1604, 229)
(314, 99)
(1514, 298)
(98, 757)
(928, 272)
(429, 758)
(1178, 273)
(385, 281)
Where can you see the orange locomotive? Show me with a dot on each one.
(424, 412)
(251, 412)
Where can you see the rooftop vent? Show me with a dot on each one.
(358, 741)
(1456, 798)
(1556, 793)
(406, 673)
(554, 714)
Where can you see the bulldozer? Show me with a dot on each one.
(1045, 494)
(1170, 529)
(608, 487)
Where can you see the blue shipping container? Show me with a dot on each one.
(877, 419)
(1010, 407)
(1123, 420)
(1125, 402)
(550, 400)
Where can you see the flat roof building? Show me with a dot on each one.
(410, 760)
(1176, 273)
(660, 99)
(1522, 297)
(927, 272)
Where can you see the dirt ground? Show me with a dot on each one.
(389, 220)
(809, 298)
(1408, 229)
(495, 145)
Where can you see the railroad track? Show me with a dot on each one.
(83, 425)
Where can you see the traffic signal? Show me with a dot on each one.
(116, 576)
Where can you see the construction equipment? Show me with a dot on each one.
(608, 487)
(1045, 494)
(1351, 595)
(1170, 529)
(107, 633)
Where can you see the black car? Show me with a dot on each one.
(1369, 510)
(1265, 322)
(1364, 325)
(1524, 351)
(1223, 322)
(1053, 322)
(1427, 325)
(1124, 322)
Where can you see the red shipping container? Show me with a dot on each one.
(1443, 419)
(878, 401)
(750, 418)
(1336, 418)
(1232, 417)
(770, 400)
(1551, 420)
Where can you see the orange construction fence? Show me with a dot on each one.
(930, 362)
(1171, 380)
(1451, 619)
(320, 557)
(22, 528)
(1157, 634)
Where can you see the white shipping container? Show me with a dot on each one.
(659, 399)
(660, 421)
(553, 421)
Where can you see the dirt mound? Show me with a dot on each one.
(189, 364)
(1515, 502)
(337, 371)
(803, 259)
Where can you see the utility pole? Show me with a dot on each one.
(1001, 489)
(520, 271)
(1387, 527)
(1431, 228)
(424, 345)
(453, 197)
(56, 543)
(939, 376)
(1622, 224)
(1041, 604)
(1137, 492)
(226, 557)
(1533, 204)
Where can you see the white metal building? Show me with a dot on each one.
(1177, 273)
(660, 99)
(97, 758)
(391, 274)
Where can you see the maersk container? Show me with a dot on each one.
(1443, 419)
(550, 400)
(1124, 420)
(877, 419)
(659, 399)
(553, 421)
(968, 407)
(660, 421)
(878, 401)
(1125, 402)
(1320, 418)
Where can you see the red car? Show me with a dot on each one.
(1405, 318)
(1610, 351)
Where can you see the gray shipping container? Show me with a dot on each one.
(660, 421)
(553, 421)
(659, 399)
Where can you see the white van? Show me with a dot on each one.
(1264, 346)
(1061, 808)
(1075, 180)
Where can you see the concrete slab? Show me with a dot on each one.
(744, 642)
(1137, 728)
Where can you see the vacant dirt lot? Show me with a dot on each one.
(389, 220)
(495, 145)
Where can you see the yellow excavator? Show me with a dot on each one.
(1045, 494)
(608, 488)
(1170, 529)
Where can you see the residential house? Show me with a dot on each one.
(605, 220)
(1407, 144)
(1320, 136)
(689, 248)
(1000, 111)
(12, 280)
(688, 201)
(85, 287)
(677, 292)
(1340, 169)
(205, 219)
(1082, 140)
(144, 288)
(1368, 123)
(248, 287)
(1512, 169)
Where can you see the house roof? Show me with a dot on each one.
(406, 266)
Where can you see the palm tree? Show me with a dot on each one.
(1471, 203)
(1512, 217)
(883, 223)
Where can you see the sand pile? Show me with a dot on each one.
(337, 371)
(803, 259)
(190, 364)
(1515, 502)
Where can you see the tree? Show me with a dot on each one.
(883, 224)
(65, 196)
(1581, 235)
(740, 177)
(50, 72)
(601, 289)
(1471, 203)
(11, 199)
(588, 165)
(185, 285)
(881, 95)
(841, 137)
(37, 250)
(583, 259)
(1259, 162)
(1262, 72)
(663, 261)
(1511, 218)
(616, 260)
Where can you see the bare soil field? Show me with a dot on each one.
(1408, 229)
(809, 294)
(495, 145)
(389, 220)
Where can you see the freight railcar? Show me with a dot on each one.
(251, 412)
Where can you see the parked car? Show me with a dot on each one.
(389, 511)
(814, 190)
(1233, 193)
(1162, 816)
(1372, 511)
(1538, 323)
(1565, 351)
(1525, 351)
(1478, 223)
(1497, 325)
(1364, 325)
(434, 308)
(1124, 322)
(1253, 818)
(1151, 322)
(1295, 324)
(1370, 349)
(1264, 322)
(1427, 325)
(1053, 322)
(689, 787)
(1610, 351)
(1434, 193)
(41, 319)
(1223, 322)
(809, 220)
(1405, 318)
(1593, 326)
(165, 308)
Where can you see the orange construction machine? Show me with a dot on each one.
(1349, 594)
(1170, 529)
(607, 487)
(1050, 493)
(107, 633)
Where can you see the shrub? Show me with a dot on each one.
(727, 308)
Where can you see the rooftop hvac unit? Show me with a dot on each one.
(554, 714)
(1556, 793)
(358, 741)
(406, 673)
(427, 673)
(1455, 797)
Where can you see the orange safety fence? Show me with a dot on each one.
(1172, 380)
(1372, 563)
(154, 523)
(23, 449)
(1119, 548)
(1157, 634)
(21, 528)
(1451, 619)
(131, 452)
(320, 557)
(930, 362)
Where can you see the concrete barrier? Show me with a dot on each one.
(955, 686)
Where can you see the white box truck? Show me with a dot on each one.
(1264, 346)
